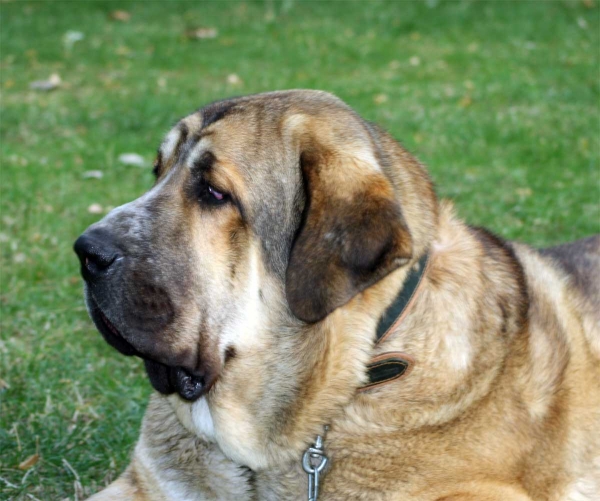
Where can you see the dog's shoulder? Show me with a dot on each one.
(581, 260)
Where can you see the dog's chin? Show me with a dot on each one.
(164, 378)
(167, 380)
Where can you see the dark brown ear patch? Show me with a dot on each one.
(352, 235)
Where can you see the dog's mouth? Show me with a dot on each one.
(164, 378)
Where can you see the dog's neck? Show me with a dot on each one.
(444, 332)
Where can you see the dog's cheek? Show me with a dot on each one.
(246, 308)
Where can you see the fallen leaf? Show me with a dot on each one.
(4, 385)
(92, 174)
(52, 83)
(95, 209)
(584, 143)
(233, 79)
(227, 41)
(70, 38)
(415, 61)
(8, 221)
(132, 159)
(582, 23)
(270, 16)
(202, 33)
(29, 462)
(524, 192)
(19, 258)
(120, 15)
(466, 101)
(122, 50)
(380, 99)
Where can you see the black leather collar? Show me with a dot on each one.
(387, 367)
(398, 307)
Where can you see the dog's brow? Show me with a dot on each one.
(199, 146)
(215, 112)
(171, 146)
(203, 163)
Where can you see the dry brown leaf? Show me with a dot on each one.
(29, 462)
(120, 15)
(524, 192)
(122, 50)
(380, 99)
(473, 47)
(202, 33)
(466, 101)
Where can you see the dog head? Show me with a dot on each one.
(269, 212)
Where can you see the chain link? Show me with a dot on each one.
(314, 461)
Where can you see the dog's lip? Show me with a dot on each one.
(109, 324)
(167, 379)
(108, 330)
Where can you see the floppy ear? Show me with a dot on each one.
(352, 232)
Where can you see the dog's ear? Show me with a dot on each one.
(352, 232)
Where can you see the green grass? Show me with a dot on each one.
(501, 100)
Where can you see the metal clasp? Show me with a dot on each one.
(314, 461)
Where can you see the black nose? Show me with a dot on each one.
(97, 252)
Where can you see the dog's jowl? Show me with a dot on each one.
(291, 271)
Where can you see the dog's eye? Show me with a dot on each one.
(217, 195)
(210, 194)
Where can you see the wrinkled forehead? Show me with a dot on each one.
(243, 135)
(246, 144)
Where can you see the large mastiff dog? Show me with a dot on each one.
(292, 270)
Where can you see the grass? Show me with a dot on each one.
(501, 100)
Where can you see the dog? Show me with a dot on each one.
(316, 324)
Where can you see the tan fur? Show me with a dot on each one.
(503, 401)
